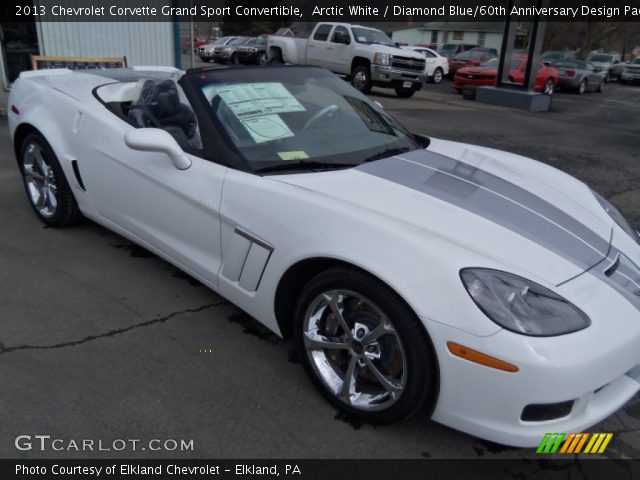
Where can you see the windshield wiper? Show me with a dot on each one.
(389, 152)
(302, 165)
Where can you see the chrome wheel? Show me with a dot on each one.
(548, 87)
(583, 87)
(40, 181)
(437, 76)
(262, 59)
(360, 80)
(355, 350)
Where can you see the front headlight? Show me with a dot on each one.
(520, 305)
(227, 49)
(617, 216)
(382, 58)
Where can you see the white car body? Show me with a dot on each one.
(240, 233)
(433, 60)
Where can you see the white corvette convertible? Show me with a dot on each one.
(488, 291)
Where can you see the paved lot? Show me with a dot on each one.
(101, 340)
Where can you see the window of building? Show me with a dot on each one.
(434, 36)
(458, 35)
(482, 38)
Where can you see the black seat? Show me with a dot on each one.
(159, 106)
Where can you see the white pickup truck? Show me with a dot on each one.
(365, 55)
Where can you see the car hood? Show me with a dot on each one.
(602, 64)
(479, 70)
(398, 51)
(501, 206)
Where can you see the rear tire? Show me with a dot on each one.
(361, 78)
(363, 348)
(437, 76)
(549, 87)
(45, 183)
(600, 88)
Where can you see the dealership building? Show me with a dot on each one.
(142, 43)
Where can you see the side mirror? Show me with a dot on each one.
(157, 140)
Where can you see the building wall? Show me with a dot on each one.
(143, 43)
(417, 36)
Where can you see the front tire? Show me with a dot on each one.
(361, 78)
(582, 87)
(363, 348)
(45, 183)
(549, 87)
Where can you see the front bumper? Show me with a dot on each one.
(221, 56)
(391, 77)
(596, 368)
(205, 55)
(630, 76)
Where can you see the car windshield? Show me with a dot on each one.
(239, 41)
(601, 58)
(280, 116)
(576, 64)
(221, 41)
(260, 40)
(493, 63)
(448, 47)
(367, 35)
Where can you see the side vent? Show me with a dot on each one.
(246, 259)
(76, 172)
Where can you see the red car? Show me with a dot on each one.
(486, 75)
(470, 58)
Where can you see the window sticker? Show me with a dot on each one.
(295, 155)
(251, 99)
(264, 128)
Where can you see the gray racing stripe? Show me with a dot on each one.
(622, 274)
(495, 199)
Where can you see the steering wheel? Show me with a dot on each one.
(327, 111)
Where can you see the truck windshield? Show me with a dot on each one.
(368, 36)
(290, 115)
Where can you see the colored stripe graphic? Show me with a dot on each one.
(550, 443)
(598, 442)
(573, 443)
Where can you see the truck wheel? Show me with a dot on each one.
(262, 58)
(361, 78)
(405, 92)
(277, 58)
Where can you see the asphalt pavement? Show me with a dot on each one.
(101, 340)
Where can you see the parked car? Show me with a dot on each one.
(451, 49)
(229, 52)
(254, 52)
(366, 55)
(487, 73)
(551, 56)
(469, 58)
(205, 52)
(609, 63)
(436, 65)
(579, 76)
(489, 291)
(492, 51)
(631, 72)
